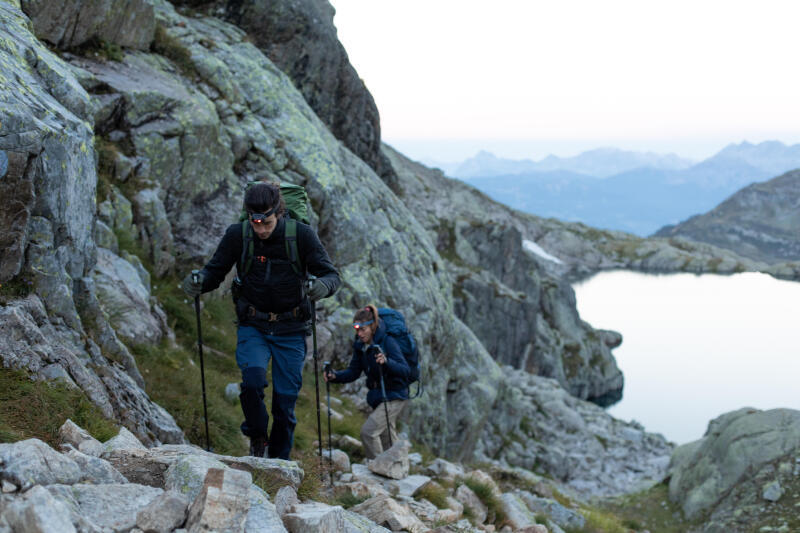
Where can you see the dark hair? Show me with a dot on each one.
(262, 197)
(366, 313)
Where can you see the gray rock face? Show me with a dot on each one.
(164, 513)
(125, 298)
(470, 500)
(386, 510)
(52, 494)
(32, 462)
(223, 502)
(392, 463)
(262, 517)
(37, 512)
(563, 517)
(95, 470)
(71, 23)
(517, 513)
(48, 243)
(300, 38)
(483, 245)
(93, 502)
(736, 457)
(321, 518)
(152, 466)
(77, 437)
(759, 221)
(537, 423)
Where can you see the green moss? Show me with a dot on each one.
(37, 409)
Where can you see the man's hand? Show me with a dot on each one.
(329, 375)
(317, 290)
(191, 287)
(380, 358)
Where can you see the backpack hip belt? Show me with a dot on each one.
(254, 314)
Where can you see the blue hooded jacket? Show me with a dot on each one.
(396, 371)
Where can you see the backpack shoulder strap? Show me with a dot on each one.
(290, 235)
(246, 260)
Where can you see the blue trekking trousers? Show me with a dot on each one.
(254, 350)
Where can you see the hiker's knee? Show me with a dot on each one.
(254, 379)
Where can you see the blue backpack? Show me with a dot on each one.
(395, 324)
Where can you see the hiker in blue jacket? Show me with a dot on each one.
(378, 355)
(272, 308)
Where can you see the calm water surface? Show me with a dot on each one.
(695, 347)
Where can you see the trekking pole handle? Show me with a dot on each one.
(195, 276)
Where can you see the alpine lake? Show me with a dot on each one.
(697, 346)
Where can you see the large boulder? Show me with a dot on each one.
(71, 23)
(741, 452)
(32, 462)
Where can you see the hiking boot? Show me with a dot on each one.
(258, 446)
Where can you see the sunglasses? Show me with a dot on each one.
(359, 325)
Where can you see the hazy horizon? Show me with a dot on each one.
(457, 150)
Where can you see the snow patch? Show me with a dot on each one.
(538, 250)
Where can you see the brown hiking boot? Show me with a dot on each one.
(258, 446)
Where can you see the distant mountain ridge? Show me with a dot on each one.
(639, 200)
(761, 221)
(599, 163)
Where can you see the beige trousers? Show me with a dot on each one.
(375, 431)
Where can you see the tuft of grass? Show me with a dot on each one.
(106, 162)
(18, 287)
(485, 494)
(434, 493)
(37, 409)
(348, 500)
(598, 521)
(650, 509)
(100, 49)
(173, 49)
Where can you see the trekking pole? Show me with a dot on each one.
(325, 370)
(196, 279)
(316, 372)
(386, 408)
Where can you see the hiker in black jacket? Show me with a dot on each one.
(273, 310)
(378, 355)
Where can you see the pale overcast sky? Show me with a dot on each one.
(525, 78)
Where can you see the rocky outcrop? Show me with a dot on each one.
(736, 474)
(44, 490)
(759, 221)
(60, 329)
(536, 425)
(71, 23)
(522, 313)
(299, 37)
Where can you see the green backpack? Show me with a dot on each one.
(296, 200)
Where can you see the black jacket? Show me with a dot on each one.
(271, 285)
(396, 371)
